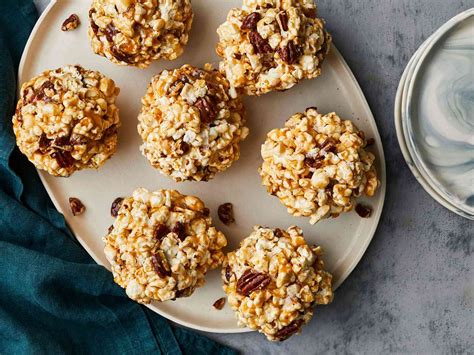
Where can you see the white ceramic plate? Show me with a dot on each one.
(344, 239)
(435, 167)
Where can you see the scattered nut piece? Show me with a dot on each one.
(226, 213)
(77, 207)
(219, 304)
(363, 211)
(71, 23)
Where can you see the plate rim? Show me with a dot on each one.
(406, 104)
(376, 216)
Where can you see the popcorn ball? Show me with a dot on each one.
(191, 123)
(162, 244)
(131, 32)
(317, 165)
(272, 45)
(66, 120)
(273, 281)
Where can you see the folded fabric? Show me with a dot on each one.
(53, 297)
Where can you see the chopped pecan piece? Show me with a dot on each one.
(313, 162)
(250, 22)
(110, 32)
(228, 273)
(94, 26)
(77, 207)
(283, 17)
(44, 143)
(226, 213)
(161, 231)
(186, 292)
(260, 45)
(219, 304)
(329, 145)
(160, 264)
(370, 141)
(41, 93)
(311, 13)
(119, 55)
(290, 53)
(278, 233)
(71, 23)
(206, 109)
(64, 159)
(289, 330)
(116, 204)
(363, 211)
(111, 228)
(252, 281)
(179, 230)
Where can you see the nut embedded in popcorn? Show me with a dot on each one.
(162, 244)
(272, 45)
(317, 165)
(66, 120)
(273, 281)
(130, 32)
(191, 123)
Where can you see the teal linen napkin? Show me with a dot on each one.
(53, 297)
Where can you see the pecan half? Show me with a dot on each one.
(63, 158)
(71, 23)
(161, 231)
(363, 211)
(283, 17)
(206, 109)
(160, 264)
(290, 53)
(179, 230)
(110, 32)
(219, 304)
(252, 281)
(77, 207)
(226, 213)
(292, 328)
(250, 22)
(260, 45)
(116, 204)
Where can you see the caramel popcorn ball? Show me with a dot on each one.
(317, 165)
(191, 123)
(272, 45)
(273, 281)
(162, 244)
(66, 120)
(135, 32)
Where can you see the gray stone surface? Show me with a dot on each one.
(413, 291)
